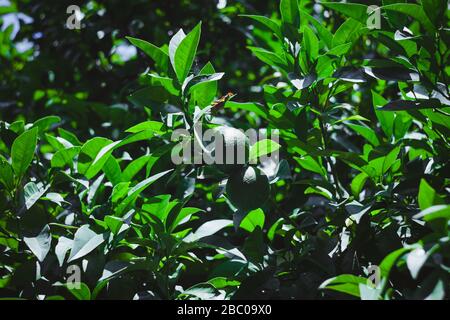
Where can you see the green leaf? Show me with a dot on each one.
(262, 148)
(349, 31)
(89, 151)
(324, 34)
(311, 164)
(379, 166)
(134, 192)
(253, 219)
(435, 9)
(345, 283)
(412, 10)
(55, 198)
(6, 174)
(350, 74)
(69, 136)
(5, 9)
(427, 196)
(61, 249)
(434, 213)
(149, 96)
(134, 167)
(120, 191)
(257, 108)
(302, 83)
(4, 281)
(185, 53)
(168, 83)
(269, 23)
(159, 206)
(396, 20)
(339, 50)
(358, 183)
(202, 291)
(204, 93)
(64, 157)
(386, 118)
(398, 105)
(207, 229)
(45, 123)
(438, 292)
(22, 151)
(201, 80)
(106, 151)
(390, 159)
(85, 240)
(290, 12)
(368, 293)
(101, 158)
(273, 229)
(173, 45)
(222, 282)
(32, 192)
(181, 216)
(114, 224)
(154, 126)
(366, 132)
(402, 123)
(40, 244)
(17, 126)
(79, 290)
(53, 298)
(390, 260)
(57, 143)
(111, 168)
(157, 54)
(392, 73)
(310, 44)
(353, 10)
(269, 57)
(355, 117)
(112, 269)
(415, 261)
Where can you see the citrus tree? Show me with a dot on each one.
(337, 184)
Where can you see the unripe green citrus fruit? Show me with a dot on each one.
(235, 149)
(248, 188)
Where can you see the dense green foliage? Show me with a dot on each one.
(361, 191)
